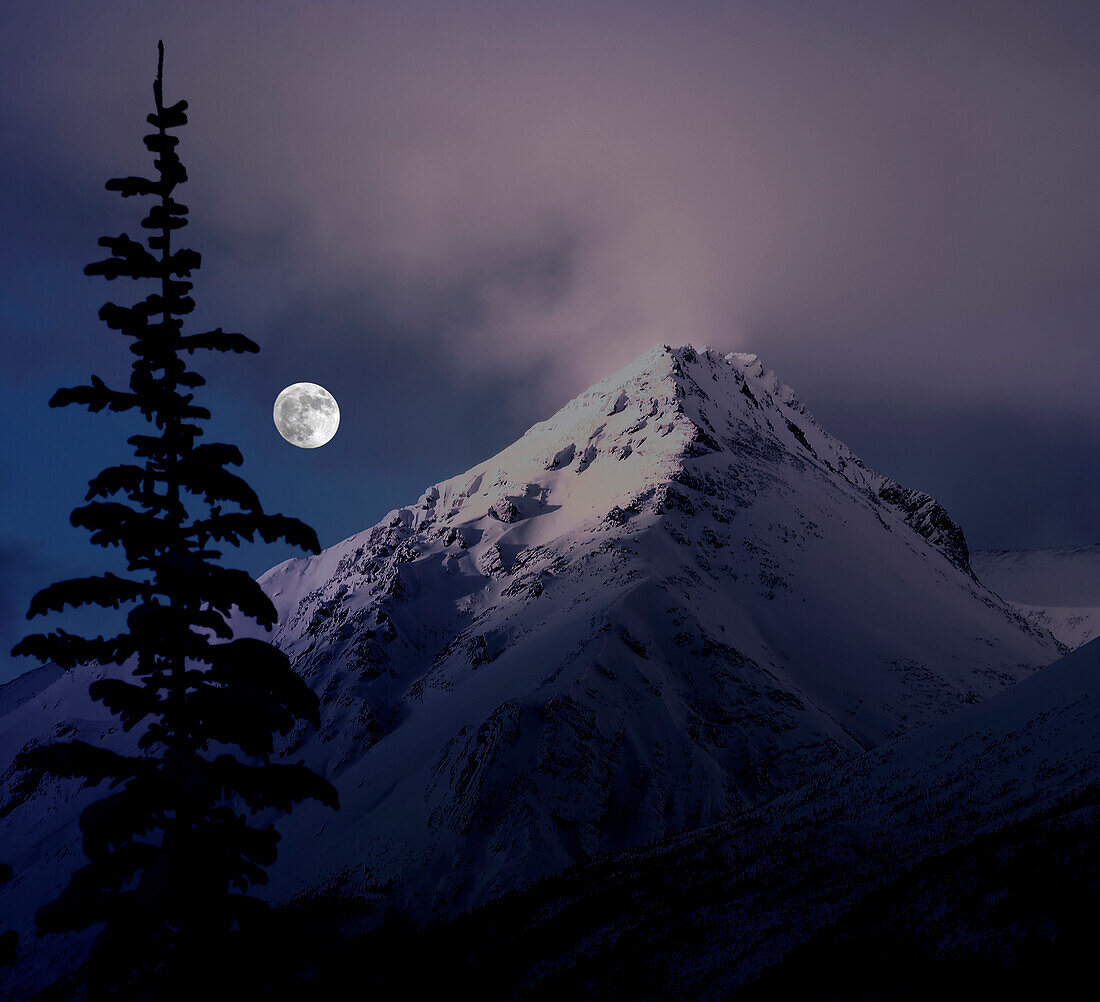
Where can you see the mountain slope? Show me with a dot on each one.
(676, 597)
(961, 855)
(1057, 589)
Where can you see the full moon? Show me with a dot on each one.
(306, 415)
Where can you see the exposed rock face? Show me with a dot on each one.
(676, 596)
(930, 520)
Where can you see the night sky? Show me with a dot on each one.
(457, 215)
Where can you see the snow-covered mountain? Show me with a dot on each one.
(677, 596)
(1057, 589)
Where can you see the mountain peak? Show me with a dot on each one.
(615, 444)
(675, 596)
(640, 429)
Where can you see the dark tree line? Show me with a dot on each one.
(173, 849)
(9, 938)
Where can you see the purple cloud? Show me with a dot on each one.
(899, 197)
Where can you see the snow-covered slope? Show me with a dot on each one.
(1057, 589)
(941, 835)
(676, 596)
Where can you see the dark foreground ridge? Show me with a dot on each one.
(962, 857)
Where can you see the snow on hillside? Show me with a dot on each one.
(1057, 589)
(675, 597)
(939, 833)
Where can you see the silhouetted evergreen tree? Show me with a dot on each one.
(171, 851)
